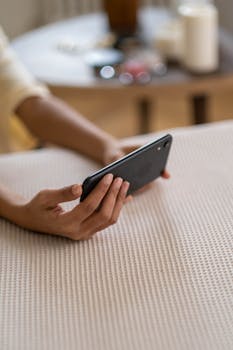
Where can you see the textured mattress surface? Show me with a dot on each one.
(161, 278)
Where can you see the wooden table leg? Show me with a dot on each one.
(144, 115)
(199, 109)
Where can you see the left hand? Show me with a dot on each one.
(118, 150)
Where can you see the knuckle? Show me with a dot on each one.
(64, 193)
(103, 188)
(71, 234)
(113, 193)
(104, 216)
(75, 236)
(89, 207)
(121, 196)
(73, 231)
(42, 196)
(86, 236)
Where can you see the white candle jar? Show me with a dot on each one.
(200, 26)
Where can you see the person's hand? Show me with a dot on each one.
(99, 210)
(117, 150)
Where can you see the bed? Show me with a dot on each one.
(161, 278)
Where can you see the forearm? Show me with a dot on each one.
(53, 121)
(11, 205)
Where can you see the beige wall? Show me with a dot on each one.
(226, 13)
(18, 16)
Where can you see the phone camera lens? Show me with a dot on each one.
(166, 144)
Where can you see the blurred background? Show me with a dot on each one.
(18, 17)
(21, 16)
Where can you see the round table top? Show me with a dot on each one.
(39, 51)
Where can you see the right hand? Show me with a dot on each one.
(100, 209)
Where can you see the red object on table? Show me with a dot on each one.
(134, 67)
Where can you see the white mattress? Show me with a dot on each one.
(161, 278)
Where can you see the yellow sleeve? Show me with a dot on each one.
(16, 83)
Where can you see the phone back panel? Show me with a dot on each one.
(138, 168)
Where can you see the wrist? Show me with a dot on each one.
(14, 211)
(17, 214)
(110, 143)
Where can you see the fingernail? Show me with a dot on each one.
(126, 185)
(108, 179)
(118, 182)
(76, 190)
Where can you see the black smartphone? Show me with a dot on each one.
(138, 167)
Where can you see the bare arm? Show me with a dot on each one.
(10, 203)
(53, 121)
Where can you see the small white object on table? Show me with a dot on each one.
(201, 39)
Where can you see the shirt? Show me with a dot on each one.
(16, 84)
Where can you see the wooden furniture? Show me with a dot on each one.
(67, 74)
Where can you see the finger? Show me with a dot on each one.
(130, 148)
(130, 145)
(166, 174)
(110, 199)
(103, 216)
(51, 198)
(88, 235)
(128, 199)
(121, 198)
(94, 199)
(123, 150)
(114, 157)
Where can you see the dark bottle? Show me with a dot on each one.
(122, 16)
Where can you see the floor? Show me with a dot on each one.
(121, 120)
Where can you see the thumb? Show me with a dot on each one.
(65, 194)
